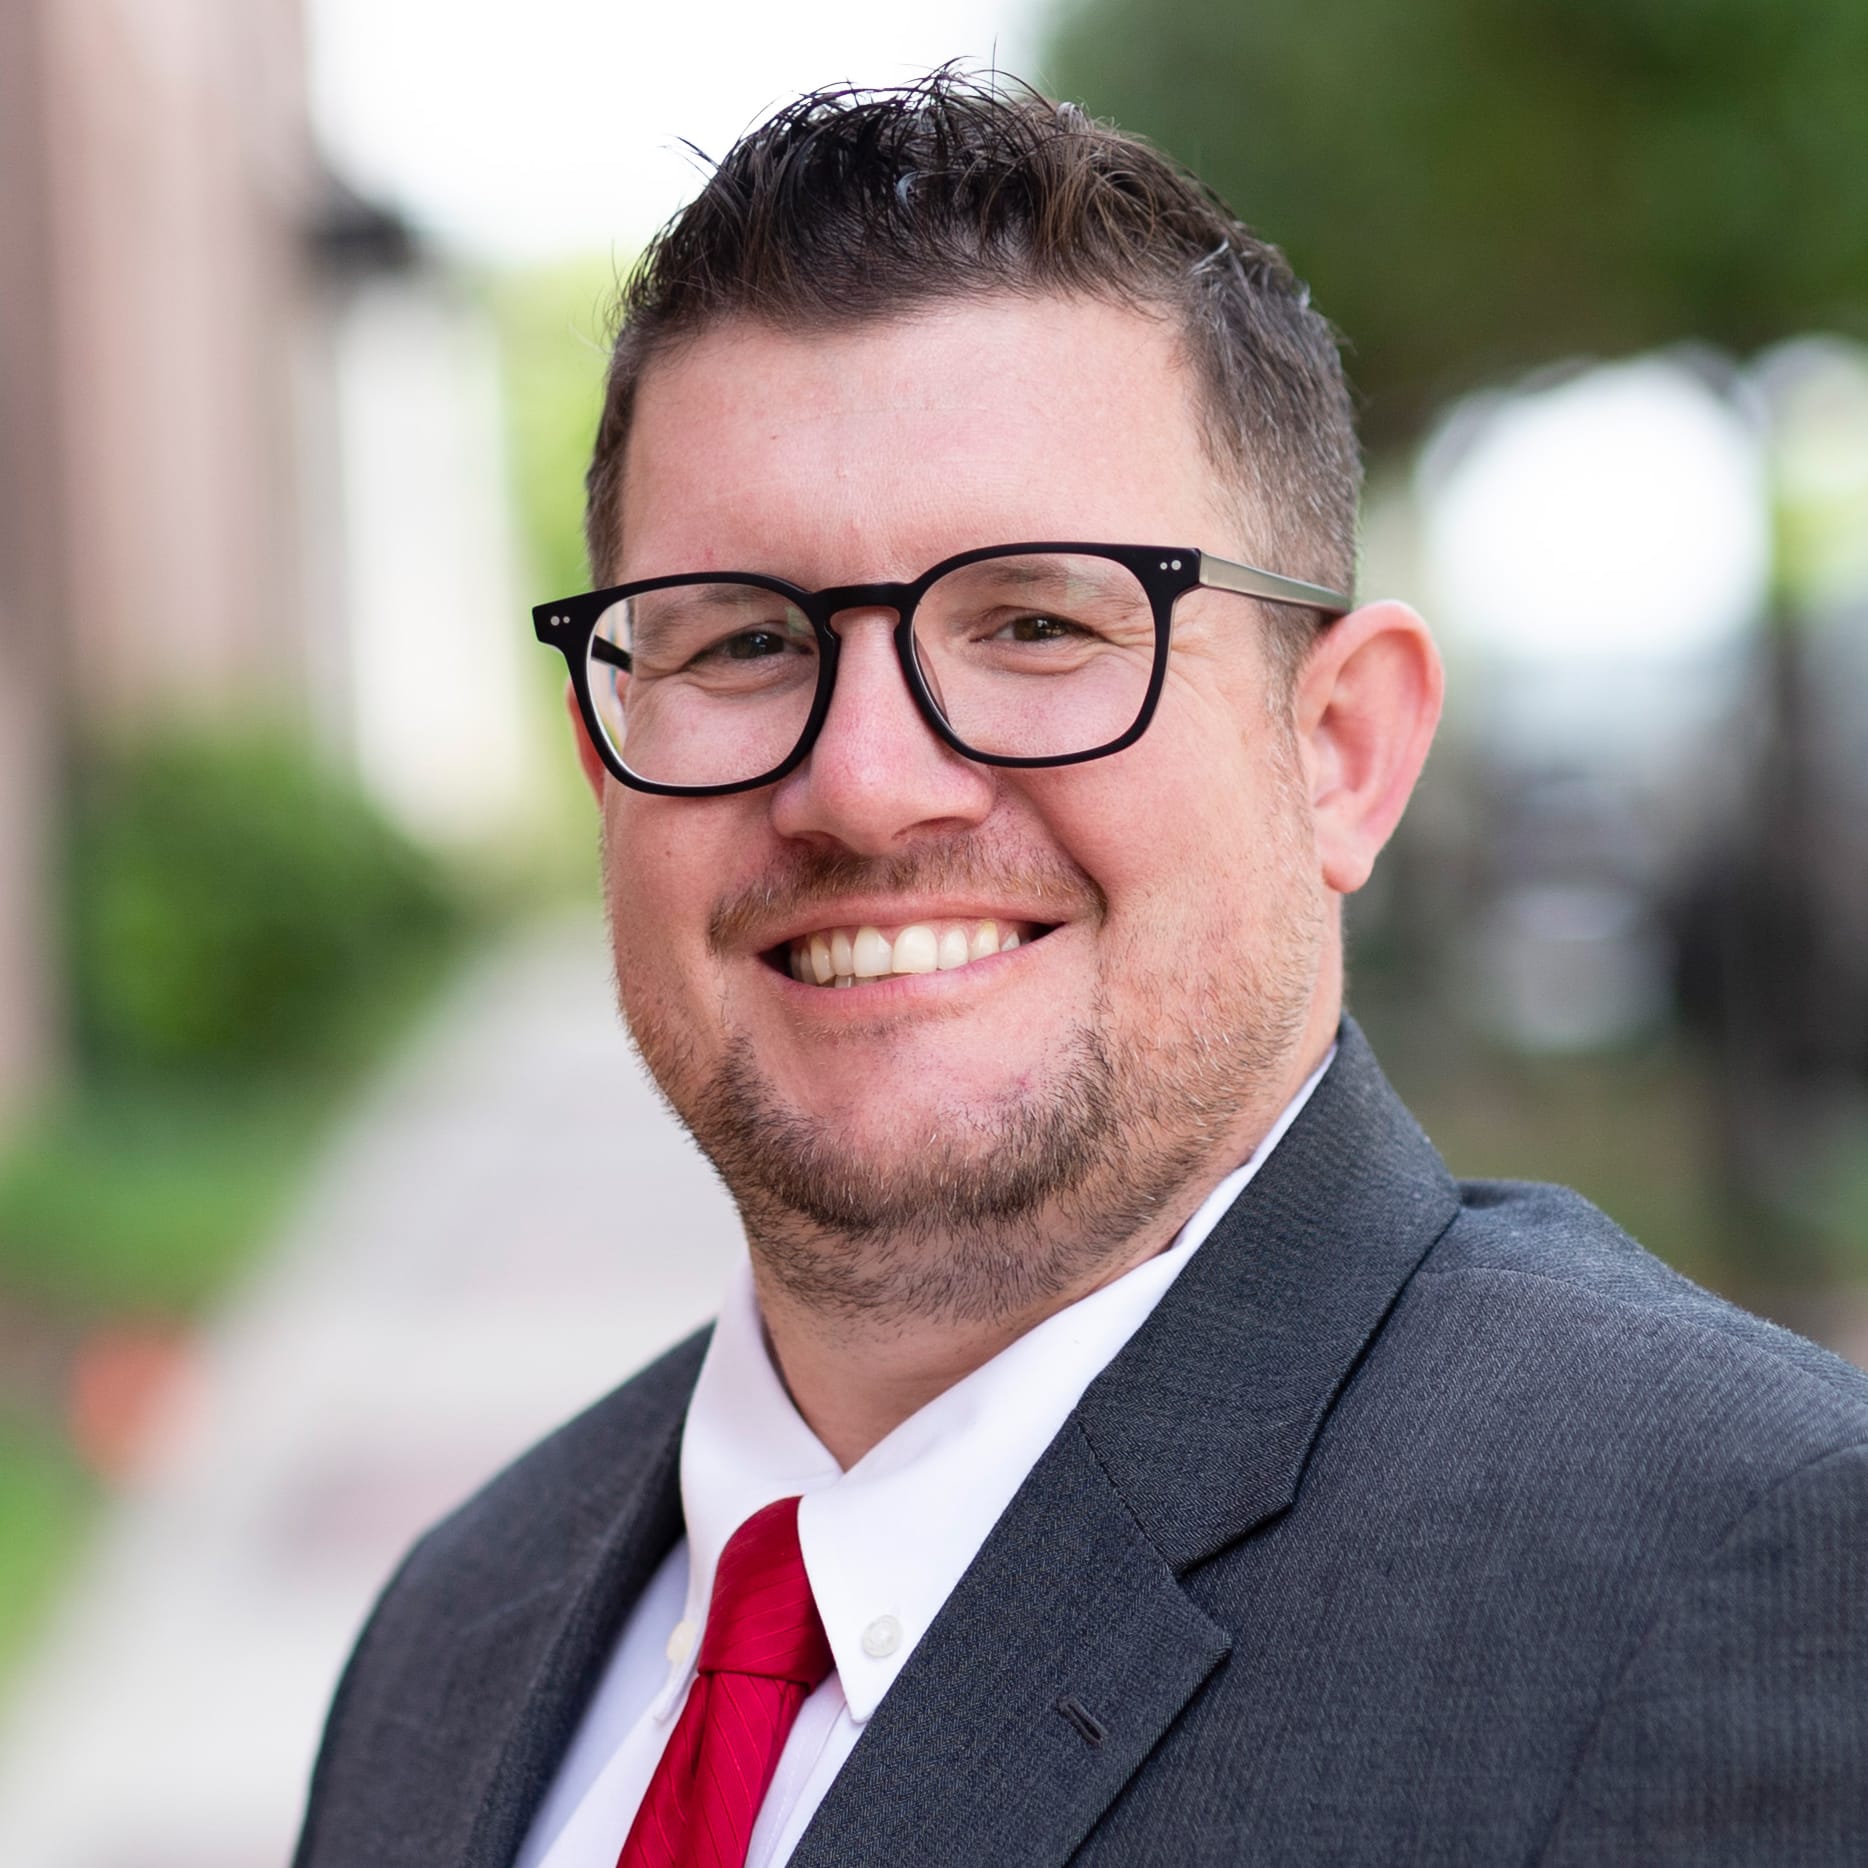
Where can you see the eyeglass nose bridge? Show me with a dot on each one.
(900, 598)
(841, 600)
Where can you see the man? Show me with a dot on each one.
(1126, 1444)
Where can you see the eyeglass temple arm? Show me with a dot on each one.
(602, 650)
(1248, 581)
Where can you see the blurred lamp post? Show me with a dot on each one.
(1598, 552)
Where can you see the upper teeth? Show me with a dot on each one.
(842, 956)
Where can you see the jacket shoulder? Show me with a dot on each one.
(1576, 1558)
(1567, 1269)
(1712, 1470)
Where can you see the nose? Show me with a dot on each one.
(878, 777)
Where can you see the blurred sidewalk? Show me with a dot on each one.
(511, 1225)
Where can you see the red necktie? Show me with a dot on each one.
(763, 1654)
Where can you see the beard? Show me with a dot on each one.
(1003, 1207)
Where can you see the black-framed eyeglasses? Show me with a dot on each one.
(709, 682)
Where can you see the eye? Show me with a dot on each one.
(750, 645)
(1037, 627)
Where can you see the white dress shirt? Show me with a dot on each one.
(884, 1543)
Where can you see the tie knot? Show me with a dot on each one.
(762, 1619)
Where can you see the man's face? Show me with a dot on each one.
(975, 1136)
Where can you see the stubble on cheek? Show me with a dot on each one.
(664, 1039)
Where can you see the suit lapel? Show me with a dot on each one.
(1064, 1654)
(1206, 1418)
(1070, 1645)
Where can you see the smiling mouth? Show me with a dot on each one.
(858, 956)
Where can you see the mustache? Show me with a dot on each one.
(1048, 887)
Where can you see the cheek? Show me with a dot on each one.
(659, 886)
(1173, 819)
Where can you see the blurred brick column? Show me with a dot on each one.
(30, 593)
(27, 988)
(156, 186)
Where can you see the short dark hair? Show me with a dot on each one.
(850, 206)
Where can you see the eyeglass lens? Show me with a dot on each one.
(1032, 655)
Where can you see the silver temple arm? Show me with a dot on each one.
(1249, 581)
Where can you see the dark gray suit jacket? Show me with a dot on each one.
(1419, 1524)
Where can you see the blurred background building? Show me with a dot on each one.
(252, 457)
(325, 1177)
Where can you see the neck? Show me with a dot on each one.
(855, 1377)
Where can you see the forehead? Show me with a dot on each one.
(874, 450)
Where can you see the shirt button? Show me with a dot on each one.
(681, 1642)
(882, 1637)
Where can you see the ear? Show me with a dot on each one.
(596, 775)
(1365, 708)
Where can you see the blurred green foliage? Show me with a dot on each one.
(553, 326)
(45, 1500)
(553, 329)
(145, 1199)
(238, 910)
(1475, 188)
(245, 933)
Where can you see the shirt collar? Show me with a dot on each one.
(885, 1542)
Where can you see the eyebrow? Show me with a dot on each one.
(661, 611)
(1024, 577)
